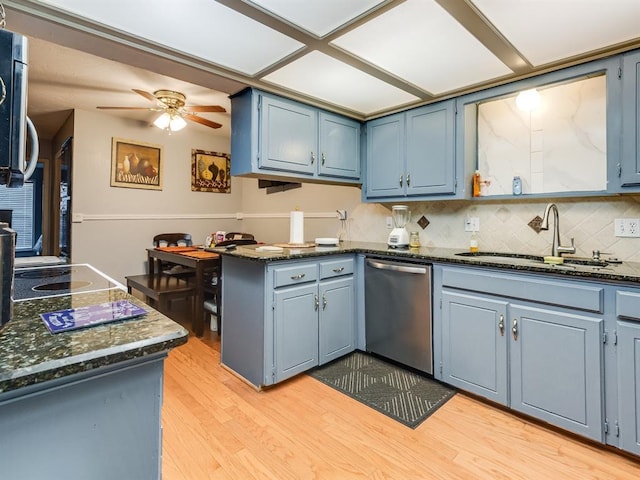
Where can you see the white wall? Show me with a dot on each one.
(120, 222)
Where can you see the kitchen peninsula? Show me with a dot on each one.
(555, 342)
(84, 403)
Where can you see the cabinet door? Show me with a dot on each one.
(288, 136)
(556, 368)
(630, 158)
(629, 385)
(385, 157)
(296, 330)
(339, 146)
(430, 149)
(474, 346)
(336, 325)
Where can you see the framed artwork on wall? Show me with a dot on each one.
(210, 171)
(136, 164)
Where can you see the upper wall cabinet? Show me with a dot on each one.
(411, 154)
(273, 137)
(629, 167)
(565, 141)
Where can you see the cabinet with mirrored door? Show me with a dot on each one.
(556, 134)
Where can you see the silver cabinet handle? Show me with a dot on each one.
(323, 158)
(324, 301)
(313, 158)
(400, 180)
(298, 276)
(338, 270)
(316, 302)
(515, 329)
(408, 179)
(501, 325)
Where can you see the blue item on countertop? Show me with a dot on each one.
(81, 317)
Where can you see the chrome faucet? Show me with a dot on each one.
(556, 247)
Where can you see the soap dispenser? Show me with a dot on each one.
(473, 243)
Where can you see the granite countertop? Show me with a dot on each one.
(30, 354)
(616, 272)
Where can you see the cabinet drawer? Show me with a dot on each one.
(628, 305)
(336, 268)
(295, 274)
(565, 294)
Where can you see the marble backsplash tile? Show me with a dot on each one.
(504, 224)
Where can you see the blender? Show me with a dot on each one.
(399, 237)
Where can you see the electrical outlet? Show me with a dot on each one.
(389, 222)
(627, 227)
(77, 218)
(472, 224)
(342, 214)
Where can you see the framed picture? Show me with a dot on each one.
(136, 164)
(210, 171)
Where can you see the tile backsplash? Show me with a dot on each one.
(504, 224)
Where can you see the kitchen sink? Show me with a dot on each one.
(588, 262)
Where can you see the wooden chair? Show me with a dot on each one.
(238, 235)
(173, 240)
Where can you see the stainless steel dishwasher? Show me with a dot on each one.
(398, 322)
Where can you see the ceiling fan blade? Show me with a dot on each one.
(205, 108)
(147, 95)
(202, 121)
(126, 108)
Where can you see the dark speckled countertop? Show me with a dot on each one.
(30, 354)
(627, 272)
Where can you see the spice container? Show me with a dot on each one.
(414, 240)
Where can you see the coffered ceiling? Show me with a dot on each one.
(362, 58)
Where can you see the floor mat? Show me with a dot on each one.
(400, 394)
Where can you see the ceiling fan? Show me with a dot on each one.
(174, 110)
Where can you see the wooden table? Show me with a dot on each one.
(200, 261)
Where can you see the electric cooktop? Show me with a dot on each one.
(49, 281)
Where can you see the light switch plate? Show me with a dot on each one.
(472, 224)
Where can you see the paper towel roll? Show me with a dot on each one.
(296, 227)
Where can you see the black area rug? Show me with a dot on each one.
(400, 394)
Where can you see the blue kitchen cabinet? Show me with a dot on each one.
(629, 385)
(300, 313)
(628, 350)
(410, 155)
(339, 146)
(288, 136)
(556, 367)
(385, 157)
(314, 322)
(274, 137)
(336, 320)
(629, 168)
(296, 330)
(530, 343)
(475, 350)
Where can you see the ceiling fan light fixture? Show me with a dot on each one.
(170, 121)
(162, 122)
(177, 123)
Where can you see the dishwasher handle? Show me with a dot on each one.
(398, 267)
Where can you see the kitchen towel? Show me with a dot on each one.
(296, 228)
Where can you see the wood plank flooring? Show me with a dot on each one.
(217, 427)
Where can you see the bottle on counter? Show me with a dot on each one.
(414, 240)
(476, 183)
(517, 185)
(473, 243)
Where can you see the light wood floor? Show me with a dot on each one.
(217, 427)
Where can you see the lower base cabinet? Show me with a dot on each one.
(303, 314)
(543, 361)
